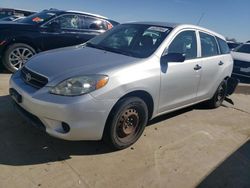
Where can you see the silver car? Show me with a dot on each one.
(111, 86)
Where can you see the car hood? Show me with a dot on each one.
(241, 56)
(77, 60)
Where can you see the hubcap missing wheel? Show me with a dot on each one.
(128, 123)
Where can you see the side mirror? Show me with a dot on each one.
(54, 27)
(173, 57)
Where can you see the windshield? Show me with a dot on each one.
(136, 40)
(38, 18)
(245, 48)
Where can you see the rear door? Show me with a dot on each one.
(212, 66)
(179, 81)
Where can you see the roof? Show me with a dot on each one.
(179, 25)
(74, 11)
(86, 13)
(163, 24)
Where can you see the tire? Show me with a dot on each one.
(126, 123)
(16, 56)
(219, 96)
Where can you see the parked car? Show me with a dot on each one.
(47, 30)
(12, 18)
(241, 56)
(232, 45)
(6, 12)
(112, 85)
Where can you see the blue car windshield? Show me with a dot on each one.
(136, 40)
(38, 18)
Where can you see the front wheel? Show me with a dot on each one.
(16, 56)
(219, 96)
(126, 122)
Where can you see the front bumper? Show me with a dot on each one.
(85, 115)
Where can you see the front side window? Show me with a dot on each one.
(136, 40)
(208, 45)
(185, 43)
(224, 49)
(245, 48)
(68, 22)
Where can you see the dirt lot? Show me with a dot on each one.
(193, 147)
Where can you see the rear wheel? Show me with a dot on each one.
(17, 55)
(219, 96)
(126, 122)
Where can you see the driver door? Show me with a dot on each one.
(180, 80)
(65, 34)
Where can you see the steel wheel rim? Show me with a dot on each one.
(128, 125)
(221, 94)
(19, 56)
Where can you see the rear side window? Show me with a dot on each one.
(208, 45)
(185, 43)
(224, 49)
(95, 24)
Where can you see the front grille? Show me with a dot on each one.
(33, 79)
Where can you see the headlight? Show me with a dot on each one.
(80, 85)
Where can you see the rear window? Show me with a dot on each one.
(224, 49)
(208, 45)
(245, 48)
(38, 18)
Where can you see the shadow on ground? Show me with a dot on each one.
(232, 172)
(2, 68)
(21, 144)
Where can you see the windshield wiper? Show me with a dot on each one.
(114, 50)
(88, 44)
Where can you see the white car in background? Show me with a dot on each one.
(241, 56)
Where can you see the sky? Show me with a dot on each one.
(230, 18)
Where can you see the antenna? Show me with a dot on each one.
(199, 21)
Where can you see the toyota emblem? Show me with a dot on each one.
(28, 77)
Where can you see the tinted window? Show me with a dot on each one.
(245, 48)
(208, 45)
(95, 24)
(136, 40)
(224, 49)
(68, 22)
(185, 43)
(232, 45)
(37, 18)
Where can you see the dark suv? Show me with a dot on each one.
(47, 30)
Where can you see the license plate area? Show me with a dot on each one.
(15, 95)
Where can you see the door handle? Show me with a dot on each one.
(197, 67)
(220, 63)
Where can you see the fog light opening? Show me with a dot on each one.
(66, 127)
